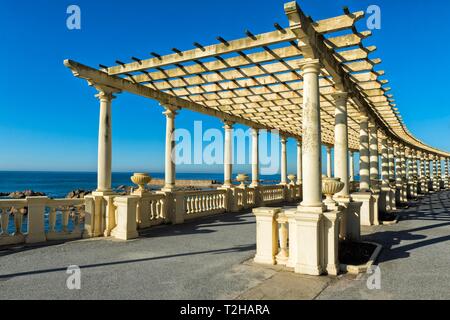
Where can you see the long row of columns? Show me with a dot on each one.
(308, 150)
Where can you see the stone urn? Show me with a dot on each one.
(242, 177)
(141, 179)
(292, 178)
(331, 186)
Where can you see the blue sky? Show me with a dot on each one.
(49, 119)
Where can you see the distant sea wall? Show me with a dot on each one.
(187, 183)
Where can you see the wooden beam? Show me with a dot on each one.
(247, 43)
(99, 78)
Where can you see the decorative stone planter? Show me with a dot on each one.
(331, 186)
(141, 179)
(242, 177)
(292, 178)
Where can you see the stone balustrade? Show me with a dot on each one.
(42, 215)
(100, 215)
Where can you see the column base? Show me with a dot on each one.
(367, 209)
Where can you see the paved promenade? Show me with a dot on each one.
(209, 259)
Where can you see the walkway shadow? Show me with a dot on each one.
(431, 208)
(120, 262)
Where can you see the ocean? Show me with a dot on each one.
(59, 184)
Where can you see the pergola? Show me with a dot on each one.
(313, 81)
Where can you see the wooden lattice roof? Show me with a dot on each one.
(256, 80)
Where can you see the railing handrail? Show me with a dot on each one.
(201, 192)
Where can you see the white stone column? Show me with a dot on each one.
(447, 174)
(352, 165)
(299, 162)
(312, 159)
(283, 160)
(104, 142)
(329, 165)
(384, 163)
(255, 157)
(403, 175)
(341, 162)
(364, 166)
(391, 160)
(374, 164)
(439, 162)
(169, 162)
(228, 154)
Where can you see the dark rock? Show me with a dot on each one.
(24, 194)
(78, 194)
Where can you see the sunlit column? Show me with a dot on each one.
(364, 167)
(255, 157)
(352, 165)
(299, 162)
(391, 160)
(170, 114)
(329, 165)
(373, 141)
(228, 154)
(447, 176)
(104, 142)
(312, 159)
(283, 160)
(341, 165)
(384, 162)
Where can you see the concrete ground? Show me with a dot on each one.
(211, 259)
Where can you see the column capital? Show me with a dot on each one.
(170, 109)
(255, 131)
(227, 124)
(340, 96)
(104, 92)
(299, 143)
(283, 138)
(310, 66)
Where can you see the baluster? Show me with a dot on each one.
(163, 209)
(196, 204)
(189, 204)
(154, 210)
(4, 222)
(283, 236)
(52, 220)
(158, 209)
(18, 218)
(65, 218)
(76, 218)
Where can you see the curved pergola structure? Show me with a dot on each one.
(257, 80)
(313, 81)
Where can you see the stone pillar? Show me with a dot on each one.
(385, 201)
(364, 168)
(169, 162)
(266, 235)
(104, 142)
(341, 151)
(255, 157)
(435, 175)
(374, 165)
(36, 219)
(439, 171)
(308, 222)
(228, 154)
(352, 165)
(126, 227)
(283, 161)
(391, 161)
(403, 173)
(329, 165)
(384, 163)
(311, 160)
(299, 162)
(447, 176)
